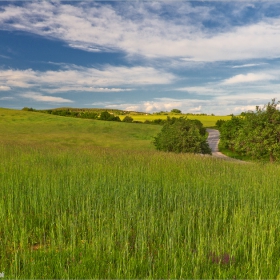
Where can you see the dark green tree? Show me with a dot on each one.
(106, 116)
(219, 123)
(128, 119)
(181, 135)
(229, 131)
(176, 111)
(260, 134)
(255, 133)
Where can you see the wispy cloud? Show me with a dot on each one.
(84, 79)
(248, 65)
(249, 78)
(4, 56)
(4, 88)
(45, 98)
(7, 98)
(87, 89)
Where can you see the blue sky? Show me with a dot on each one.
(218, 57)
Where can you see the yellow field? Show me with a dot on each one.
(208, 121)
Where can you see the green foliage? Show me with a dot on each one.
(255, 134)
(106, 116)
(229, 131)
(219, 123)
(176, 111)
(128, 119)
(181, 135)
(28, 109)
(155, 121)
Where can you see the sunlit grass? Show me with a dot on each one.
(44, 129)
(87, 211)
(109, 214)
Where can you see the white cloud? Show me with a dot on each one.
(87, 89)
(248, 78)
(84, 79)
(161, 104)
(248, 65)
(220, 105)
(7, 98)
(4, 88)
(138, 28)
(45, 98)
(240, 109)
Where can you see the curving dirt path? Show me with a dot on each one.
(213, 140)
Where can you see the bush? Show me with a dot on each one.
(128, 119)
(106, 116)
(28, 109)
(176, 111)
(255, 133)
(219, 123)
(181, 135)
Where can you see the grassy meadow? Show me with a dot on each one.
(40, 129)
(114, 207)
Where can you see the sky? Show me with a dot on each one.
(213, 57)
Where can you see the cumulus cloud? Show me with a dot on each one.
(45, 98)
(160, 104)
(139, 28)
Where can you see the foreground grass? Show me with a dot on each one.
(113, 214)
(83, 210)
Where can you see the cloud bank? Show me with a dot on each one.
(143, 29)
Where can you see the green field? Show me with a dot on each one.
(92, 199)
(48, 130)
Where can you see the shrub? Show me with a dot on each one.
(176, 111)
(255, 133)
(219, 123)
(106, 116)
(181, 135)
(128, 119)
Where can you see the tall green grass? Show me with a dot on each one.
(104, 213)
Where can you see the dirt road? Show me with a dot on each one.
(213, 140)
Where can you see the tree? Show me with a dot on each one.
(219, 123)
(260, 136)
(176, 111)
(128, 119)
(181, 135)
(106, 116)
(255, 133)
(229, 131)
